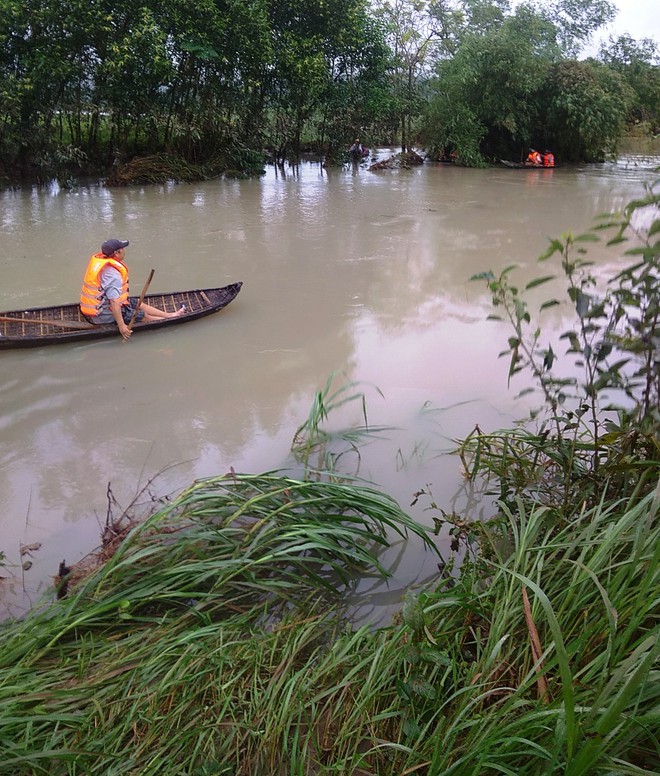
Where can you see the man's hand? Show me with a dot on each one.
(115, 308)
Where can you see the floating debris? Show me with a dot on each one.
(403, 160)
(28, 549)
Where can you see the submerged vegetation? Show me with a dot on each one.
(215, 638)
(160, 168)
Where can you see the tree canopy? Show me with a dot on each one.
(515, 86)
(87, 85)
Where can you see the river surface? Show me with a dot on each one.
(362, 275)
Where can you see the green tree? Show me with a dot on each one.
(453, 20)
(132, 64)
(327, 60)
(116, 79)
(575, 20)
(218, 90)
(358, 101)
(486, 98)
(513, 87)
(44, 62)
(638, 62)
(412, 38)
(586, 110)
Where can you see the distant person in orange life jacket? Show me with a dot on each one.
(104, 295)
(534, 158)
(548, 158)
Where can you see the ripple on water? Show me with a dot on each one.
(23, 400)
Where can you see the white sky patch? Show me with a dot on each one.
(638, 18)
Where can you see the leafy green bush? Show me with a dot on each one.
(587, 447)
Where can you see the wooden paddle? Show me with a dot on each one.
(137, 306)
(61, 324)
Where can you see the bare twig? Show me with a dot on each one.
(537, 652)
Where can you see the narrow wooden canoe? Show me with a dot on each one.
(40, 326)
(525, 166)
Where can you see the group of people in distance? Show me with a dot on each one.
(535, 159)
(104, 296)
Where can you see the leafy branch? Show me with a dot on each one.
(614, 340)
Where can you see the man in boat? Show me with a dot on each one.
(548, 158)
(104, 295)
(534, 158)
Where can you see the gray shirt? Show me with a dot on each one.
(111, 285)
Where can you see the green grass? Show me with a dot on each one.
(193, 644)
(213, 642)
(592, 588)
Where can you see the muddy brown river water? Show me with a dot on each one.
(348, 272)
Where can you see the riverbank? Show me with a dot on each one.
(234, 162)
(213, 641)
(68, 167)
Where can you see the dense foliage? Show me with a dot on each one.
(486, 98)
(87, 87)
(636, 62)
(98, 81)
(513, 88)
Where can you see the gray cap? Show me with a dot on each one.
(110, 246)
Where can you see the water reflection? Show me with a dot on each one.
(345, 271)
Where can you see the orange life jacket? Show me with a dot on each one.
(91, 294)
(548, 160)
(534, 157)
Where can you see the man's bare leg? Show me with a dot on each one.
(154, 314)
